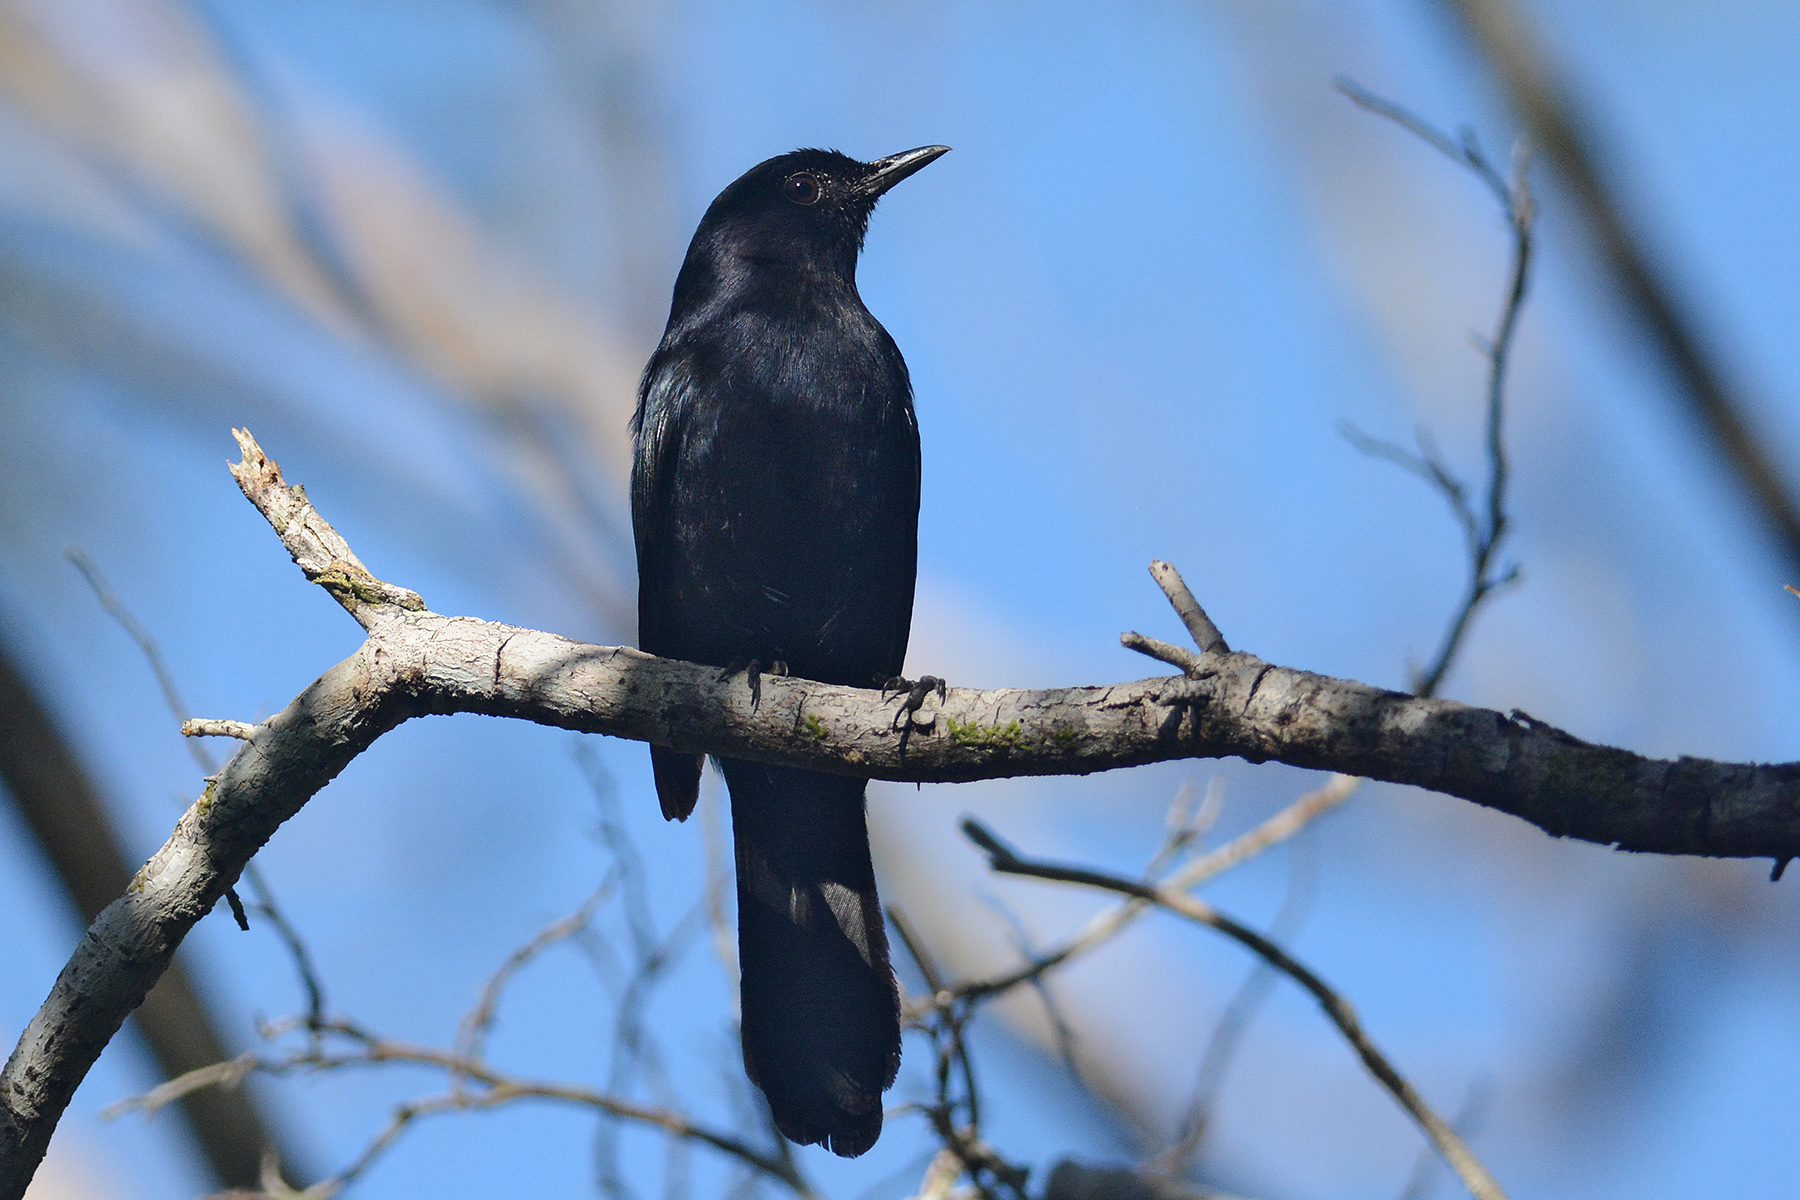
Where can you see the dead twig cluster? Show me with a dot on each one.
(472, 1082)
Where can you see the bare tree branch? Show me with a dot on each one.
(67, 816)
(1105, 925)
(1467, 1122)
(1475, 1177)
(1501, 33)
(1484, 530)
(495, 1087)
(1228, 1034)
(416, 662)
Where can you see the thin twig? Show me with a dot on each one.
(191, 728)
(298, 954)
(1283, 825)
(1486, 530)
(472, 1030)
(1428, 465)
(1228, 1035)
(134, 628)
(1187, 821)
(945, 1022)
(1200, 627)
(369, 1050)
(1040, 984)
(199, 727)
(1503, 34)
(946, 1028)
(1456, 1152)
(1176, 656)
(1105, 925)
(1468, 1121)
(635, 1051)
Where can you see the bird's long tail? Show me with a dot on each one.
(820, 1009)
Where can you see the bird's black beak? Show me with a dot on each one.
(888, 171)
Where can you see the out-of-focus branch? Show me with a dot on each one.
(1105, 925)
(1449, 1143)
(191, 731)
(336, 1043)
(351, 1045)
(65, 814)
(1501, 34)
(1467, 1122)
(1071, 1180)
(1484, 528)
(1234, 1023)
(955, 1110)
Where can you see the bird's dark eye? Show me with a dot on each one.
(801, 188)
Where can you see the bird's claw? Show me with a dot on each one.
(753, 673)
(915, 692)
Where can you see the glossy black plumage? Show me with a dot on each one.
(775, 499)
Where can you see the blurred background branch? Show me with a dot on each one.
(66, 816)
(1503, 34)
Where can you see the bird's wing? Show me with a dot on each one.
(662, 400)
(665, 395)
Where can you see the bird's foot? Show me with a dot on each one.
(914, 691)
(753, 673)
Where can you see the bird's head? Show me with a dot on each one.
(807, 208)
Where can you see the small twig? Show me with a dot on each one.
(499, 1088)
(946, 1029)
(1428, 465)
(1468, 1121)
(228, 1074)
(1483, 531)
(1475, 1177)
(134, 628)
(1228, 1034)
(1040, 984)
(1200, 627)
(296, 945)
(915, 950)
(1466, 152)
(1187, 821)
(198, 727)
(1106, 925)
(945, 1022)
(192, 727)
(472, 1030)
(1176, 656)
(1278, 828)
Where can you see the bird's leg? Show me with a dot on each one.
(915, 692)
(753, 673)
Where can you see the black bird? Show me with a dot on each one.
(775, 499)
